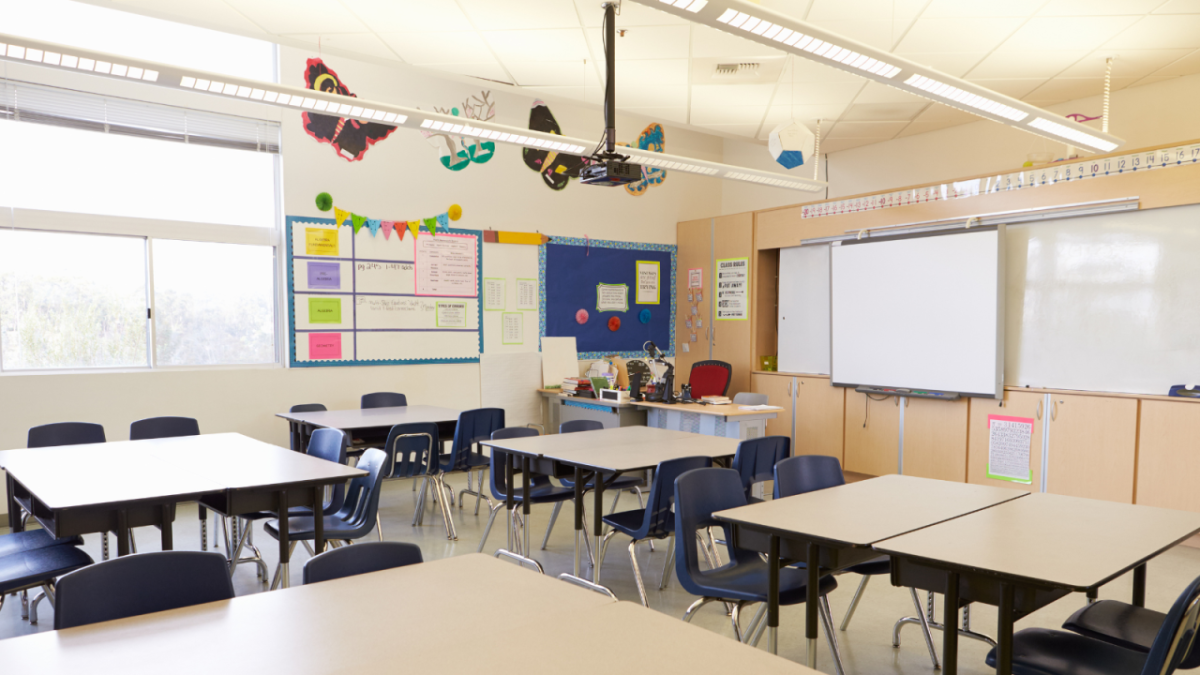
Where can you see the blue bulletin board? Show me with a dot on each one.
(570, 270)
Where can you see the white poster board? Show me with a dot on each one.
(1010, 440)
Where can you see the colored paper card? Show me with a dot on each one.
(324, 275)
(733, 289)
(387, 226)
(612, 297)
(339, 216)
(320, 241)
(358, 221)
(513, 328)
(373, 225)
(493, 294)
(1009, 442)
(648, 278)
(324, 346)
(451, 315)
(324, 310)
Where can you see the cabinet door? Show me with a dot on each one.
(694, 250)
(778, 389)
(1092, 447)
(820, 413)
(733, 237)
(1015, 404)
(872, 434)
(1167, 459)
(935, 439)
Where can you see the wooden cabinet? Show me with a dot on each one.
(1092, 446)
(694, 250)
(935, 439)
(1168, 464)
(778, 389)
(733, 237)
(819, 414)
(872, 434)
(1015, 404)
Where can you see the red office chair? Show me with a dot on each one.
(710, 378)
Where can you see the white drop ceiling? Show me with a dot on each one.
(1043, 52)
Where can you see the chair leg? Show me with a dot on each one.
(419, 509)
(104, 546)
(695, 606)
(132, 541)
(757, 623)
(924, 628)
(716, 552)
(378, 526)
(642, 505)
(616, 498)
(603, 552)
(479, 492)
(830, 634)
(439, 486)
(858, 592)
(488, 528)
(637, 573)
(666, 575)
(553, 519)
(48, 594)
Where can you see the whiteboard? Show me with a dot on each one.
(804, 309)
(1105, 303)
(922, 312)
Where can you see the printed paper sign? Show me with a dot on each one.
(733, 277)
(527, 294)
(493, 295)
(514, 328)
(1009, 443)
(647, 282)
(319, 241)
(324, 346)
(324, 310)
(324, 275)
(446, 265)
(696, 277)
(452, 315)
(612, 297)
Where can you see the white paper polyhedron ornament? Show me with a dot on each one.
(791, 144)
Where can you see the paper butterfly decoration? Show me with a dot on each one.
(556, 168)
(473, 150)
(652, 138)
(350, 138)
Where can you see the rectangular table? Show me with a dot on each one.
(561, 408)
(591, 453)
(426, 608)
(1024, 554)
(835, 528)
(729, 421)
(301, 425)
(113, 487)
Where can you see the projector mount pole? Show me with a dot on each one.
(610, 84)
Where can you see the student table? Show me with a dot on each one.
(301, 425)
(318, 629)
(560, 408)
(590, 453)
(728, 421)
(113, 487)
(834, 528)
(1024, 554)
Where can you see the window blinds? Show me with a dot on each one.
(40, 104)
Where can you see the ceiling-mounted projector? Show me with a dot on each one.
(603, 171)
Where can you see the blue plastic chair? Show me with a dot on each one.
(357, 517)
(133, 585)
(64, 433)
(465, 454)
(163, 427)
(743, 580)
(541, 490)
(33, 559)
(295, 438)
(1041, 651)
(412, 449)
(308, 407)
(756, 458)
(1126, 626)
(657, 521)
(384, 399)
(372, 556)
(617, 485)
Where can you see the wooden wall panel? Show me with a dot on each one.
(1168, 462)
(872, 434)
(935, 439)
(820, 416)
(1093, 445)
(778, 389)
(733, 237)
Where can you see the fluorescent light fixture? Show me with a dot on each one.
(762, 25)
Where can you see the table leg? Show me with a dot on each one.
(525, 551)
(811, 617)
(122, 533)
(166, 522)
(1139, 585)
(203, 526)
(318, 520)
(598, 520)
(1004, 631)
(578, 514)
(950, 621)
(285, 543)
(773, 595)
(14, 510)
(509, 501)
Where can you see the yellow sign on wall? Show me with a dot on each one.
(320, 241)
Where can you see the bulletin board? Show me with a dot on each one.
(370, 300)
(586, 274)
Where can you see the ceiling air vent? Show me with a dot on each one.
(736, 71)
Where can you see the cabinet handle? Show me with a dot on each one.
(1054, 412)
(789, 387)
(1039, 410)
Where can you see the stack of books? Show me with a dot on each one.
(716, 400)
(573, 385)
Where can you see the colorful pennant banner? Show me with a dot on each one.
(401, 227)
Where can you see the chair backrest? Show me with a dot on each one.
(362, 496)
(411, 447)
(756, 458)
(370, 556)
(749, 398)
(309, 407)
(330, 445)
(1177, 636)
(805, 473)
(698, 494)
(580, 425)
(710, 378)
(64, 433)
(384, 399)
(514, 432)
(659, 512)
(473, 426)
(163, 427)
(140, 584)
(496, 468)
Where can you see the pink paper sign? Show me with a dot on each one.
(324, 346)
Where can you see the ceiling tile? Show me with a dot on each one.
(1067, 33)
(877, 130)
(1188, 65)
(878, 34)
(653, 72)
(1062, 89)
(215, 14)
(875, 92)
(586, 94)
(1128, 62)
(300, 16)
(1152, 79)
(360, 43)
(839, 144)
(485, 70)
(676, 114)
(1016, 88)
(954, 64)
(431, 47)
(805, 114)
(526, 14)
(1179, 7)
(632, 14)
(796, 9)
(798, 69)
(970, 8)
(724, 95)
(1098, 7)
(712, 42)
(1176, 31)
(883, 112)
(925, 127)
(969, 34)
(555, 44)
(840, 10)
(747, 130)
(730, 114)
(946, 115)
(409, 15)
(672, 96)
(552, 73)
(647, 42)
(814, 93)
(1025, 63)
